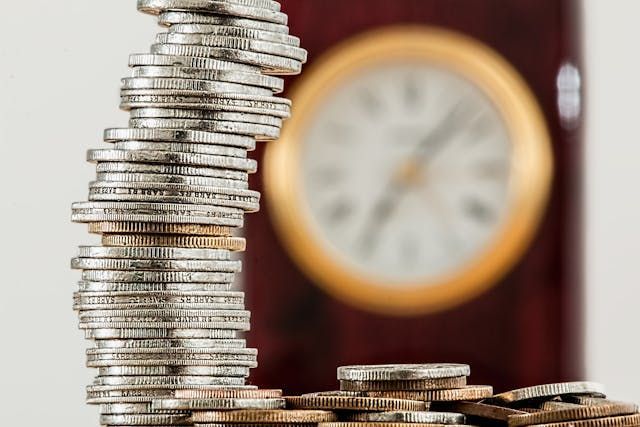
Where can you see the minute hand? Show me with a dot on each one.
(440, 136)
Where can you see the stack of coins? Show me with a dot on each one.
(387, 396)
(156, 296)
(426, 382)
(573, 404)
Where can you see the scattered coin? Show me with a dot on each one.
(552, 390)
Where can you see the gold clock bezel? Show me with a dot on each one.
(531, 169)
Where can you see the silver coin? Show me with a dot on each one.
(261, 132)
(412, 417)
(97, 397)
(149, 59)
(223, 315)
(160, 169)
(145, 420)
(402, 372)
(156, 265)
(154, 253)
(211, 150)
(552, 390)
(169, 361)
(211, 371)
(188, 324)
(155, 276)
(235, 42)
(159, 333)
(170, 343)
(211, 102)
(155, 7)
(271, 64)
(172, 179)
(276, 84)
(168, 380)
(247, 200)
(222, 352)
(156, 212)
(235, 31)
(127, 194)
(187, 18)
(217, 404)
(179, 135)
(152, 287)
(201, 301)
(264, 4)
(172, 113)
(168, 157)
(190, 85)
(132, 408)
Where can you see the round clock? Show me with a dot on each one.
(413, 173)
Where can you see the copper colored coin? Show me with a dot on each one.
(623, 421)
(405, 385)
(350, 403)
(144, 240)
(552, 390)
(217, 393)
(158, 228)
(470, 392)
(480, 410)
(553, 412)
(275, 416)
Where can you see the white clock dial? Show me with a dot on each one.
(406, 172)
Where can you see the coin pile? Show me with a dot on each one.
(426, 383)
(389, 396)
(572, 404)
(156, 296)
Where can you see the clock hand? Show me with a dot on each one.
(387, 204)
(437, 139)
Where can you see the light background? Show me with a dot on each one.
(59, 77)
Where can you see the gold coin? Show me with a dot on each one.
(154, 240)
(406, 385)
(352, 403)
(158, 228)
(274, 416)
(470, 392)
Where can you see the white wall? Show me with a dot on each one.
(613, 200)
(59, 72)
(60, 65)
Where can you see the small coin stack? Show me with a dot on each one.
(388, 396)
(426, 383)
(156, 296)
(572, 404)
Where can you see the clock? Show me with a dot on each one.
(507, 299)
(414, 172)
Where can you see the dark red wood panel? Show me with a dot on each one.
(525, 330)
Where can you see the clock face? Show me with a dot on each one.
(406, 172)
(413, 173)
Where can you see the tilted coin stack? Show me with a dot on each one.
(156, 296)
(570, 404)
